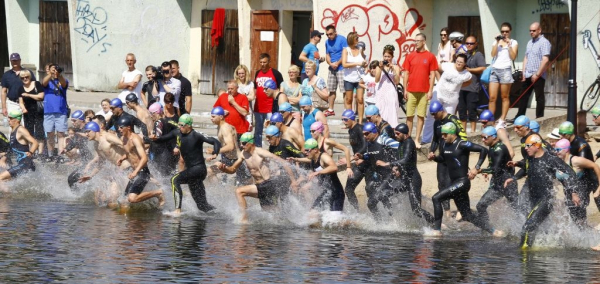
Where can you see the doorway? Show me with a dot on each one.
(302, 27)
(556, 28)
(264, 38)
(55, 39)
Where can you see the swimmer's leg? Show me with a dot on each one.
(240, 194)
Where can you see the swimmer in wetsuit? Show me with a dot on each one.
(161, 154)
(359, 145)
(456, 157)
(383, 127)
(487, 119)
(20, 139)
(189, 145)
(502, 182)
(542, 169)
(266, 189)
(116, 106)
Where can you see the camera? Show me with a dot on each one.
(499, 37)
(385, 62)
(158, 71)
(58, 69)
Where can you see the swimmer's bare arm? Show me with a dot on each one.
(231, 169)
(113, 139)
(334, 144)
(227, 146)
(504, 138)
(300, 160)
(328, 165)
(29, 139)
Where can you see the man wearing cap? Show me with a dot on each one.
(235, 107)
(502, 182)
(311, 52)
(334, 46)
(130, 79)
(116, 106)
(142, 113)
(359, 146)
(20, 139)
(11, 82)
(456, 157)
(288, 118)
(312, 114)
(290, 134)
(55, 108)
(383, 127)
(190, 146)
(263, 105)
(266, 189)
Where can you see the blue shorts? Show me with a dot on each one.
(502, 76)
(55, 122)
(350, 85)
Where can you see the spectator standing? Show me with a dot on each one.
(185, 96)
(315, 87)
(150, 88)
(536, 59)
(236, 107)
(334, 47)
(444, 50)
(420, 67)
(246, 88)
(168, 85)
(310, 52)
(468, 97)
(354, 64)
(263, 104)
(31, 93)
(504, 51)
(291, 88)
(55, 108)
(130, 79)
(387, 76)
(11, 82)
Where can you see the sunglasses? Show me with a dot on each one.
(366, 133)
(369, 117)
(443, 34)
(272, 122)
(313, 131)
(485, 137)
(532, 31)
(518, 127)
(595, 116)
(483, 121)
(23, 78)
(529, 145)
(168, 102)
(560, 149)
(122, 126)
(269, 137)
(470, 43)
(346, 119)
(505, 32)
(243, 143)
(181, 124)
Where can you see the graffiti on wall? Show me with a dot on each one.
(377, 26)
(548, 6)
(90, 24)
(589, 45)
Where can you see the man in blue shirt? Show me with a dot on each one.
(334, 46)
(55, 107)
(311, 52)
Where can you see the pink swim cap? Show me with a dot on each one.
(563, 144)
(155, 108)
(317, 126)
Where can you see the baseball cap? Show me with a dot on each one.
(15, 56)
(315, 33)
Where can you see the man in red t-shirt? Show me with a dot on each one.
(236, 108)
(419, 75)
(263, 104)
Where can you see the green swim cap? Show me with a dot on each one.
(595, 111)
(15, 113)
(566, 128)
(247, 137)
(449, 128)
(310, 144)
(186, 119)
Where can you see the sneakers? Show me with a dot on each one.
(329, 112)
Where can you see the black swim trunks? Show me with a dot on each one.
(23, 166)
(137, 184)
(268, 195)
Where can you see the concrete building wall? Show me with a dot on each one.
(103, 32)
(588, 66)
(23, 32)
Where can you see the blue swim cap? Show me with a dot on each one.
(535, 126)
(276, 117)
(370, 127)
(218, 111)
(522, 121)
(78, 115)
(285, 107)
(490, 131)
(116, 102)
(349, 114)
(270, 84)
(92, 126)
(372, 110)
(272, 130)
(486, 115)
(305, 101)
(435, 106)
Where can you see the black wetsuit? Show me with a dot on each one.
(456, 158)
(81, 143)
(540, 174)
(5, 147)
(378, 179)
(136, 122)
(410, 178)
(589, 180)
(385, 129)
(333, 191)
(161, 154)
(498, 157)
(24, 163)
(190, 146)
(285, 149)
(524, 202)
(437, 143)
(358, 144)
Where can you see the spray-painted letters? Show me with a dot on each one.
(90, 23)
(549, 6)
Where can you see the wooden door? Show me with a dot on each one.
(468, 25)
(265, 37)
(557, 29)
(217, 64)
(55, 39)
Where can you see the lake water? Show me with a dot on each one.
(48, 234)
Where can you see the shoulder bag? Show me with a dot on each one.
(485, 76)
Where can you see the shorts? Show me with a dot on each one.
(335, 80)
(502, 76)
(10, 105)
(55, 122)
(22, 167)
(268, 195)
(350, 86)
(416, 101)
(137, 184)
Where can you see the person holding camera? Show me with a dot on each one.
(56, 111)
(504, 51)
(168, 84)
(130, 79)
(387, 76)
